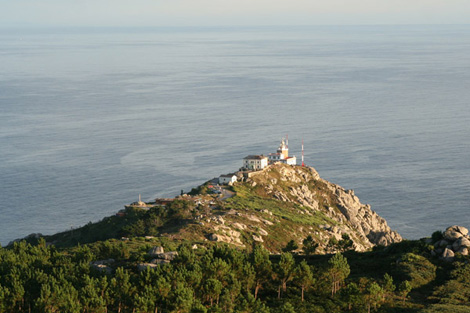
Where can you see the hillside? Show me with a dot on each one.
(264, 244)
(315, 207)
(272, 207)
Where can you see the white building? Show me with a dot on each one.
(282, 155)
(255, 162)
(227, 179)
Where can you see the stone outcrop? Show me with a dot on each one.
(159, 257)
(303, 185)
(102, 265)
(156, 251)
(169, 256)
(455, 232)
(227, 235)
(455, 240)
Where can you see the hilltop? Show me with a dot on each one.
(272, 206)
(262, 244)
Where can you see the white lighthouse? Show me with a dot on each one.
(282, 154)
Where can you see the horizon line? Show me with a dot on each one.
(42, 26)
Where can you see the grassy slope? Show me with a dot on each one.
(178, 224)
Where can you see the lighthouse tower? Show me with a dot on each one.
(282, 154)
(283, 150)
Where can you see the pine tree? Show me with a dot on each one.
(121, 289)
(291, 246)
(90, 295)
(388, 285)
(374, 295)
(285, 271)
(212, 290)
(309, 246)
(182, 298)
(351, 295)
(261, 265)
(304, 277)
(404, 289)
(338, 271)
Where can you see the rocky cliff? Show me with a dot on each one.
(303, 185)
(283, 203)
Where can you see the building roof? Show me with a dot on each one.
(255, 157)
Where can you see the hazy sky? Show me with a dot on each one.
(230, 12)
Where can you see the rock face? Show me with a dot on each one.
(226, 234)
(303, 186)
(160, 257)
(281, 203)
(455, 240)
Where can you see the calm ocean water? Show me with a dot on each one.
(91, 118)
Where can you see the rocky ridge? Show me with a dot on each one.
(363, 225)
(310, 196)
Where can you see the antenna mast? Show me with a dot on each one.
(303, 164)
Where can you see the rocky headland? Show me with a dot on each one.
(303, 185)
(307, 205)
(273, 206)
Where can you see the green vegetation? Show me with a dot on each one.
(253, 200)
(132, 222)
(41, 278)
(274, 263)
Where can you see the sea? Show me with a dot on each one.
(91, 118)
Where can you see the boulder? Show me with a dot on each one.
(455, 232)
(267, 212)
(263, 232)
(463, 251)
(464, 241)
(239, 226)
(156, 250)
(258, 238)
(448, 254)
(269, 223)
(102, 265)
(167, 255)
(253, 218)
(229, 235)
